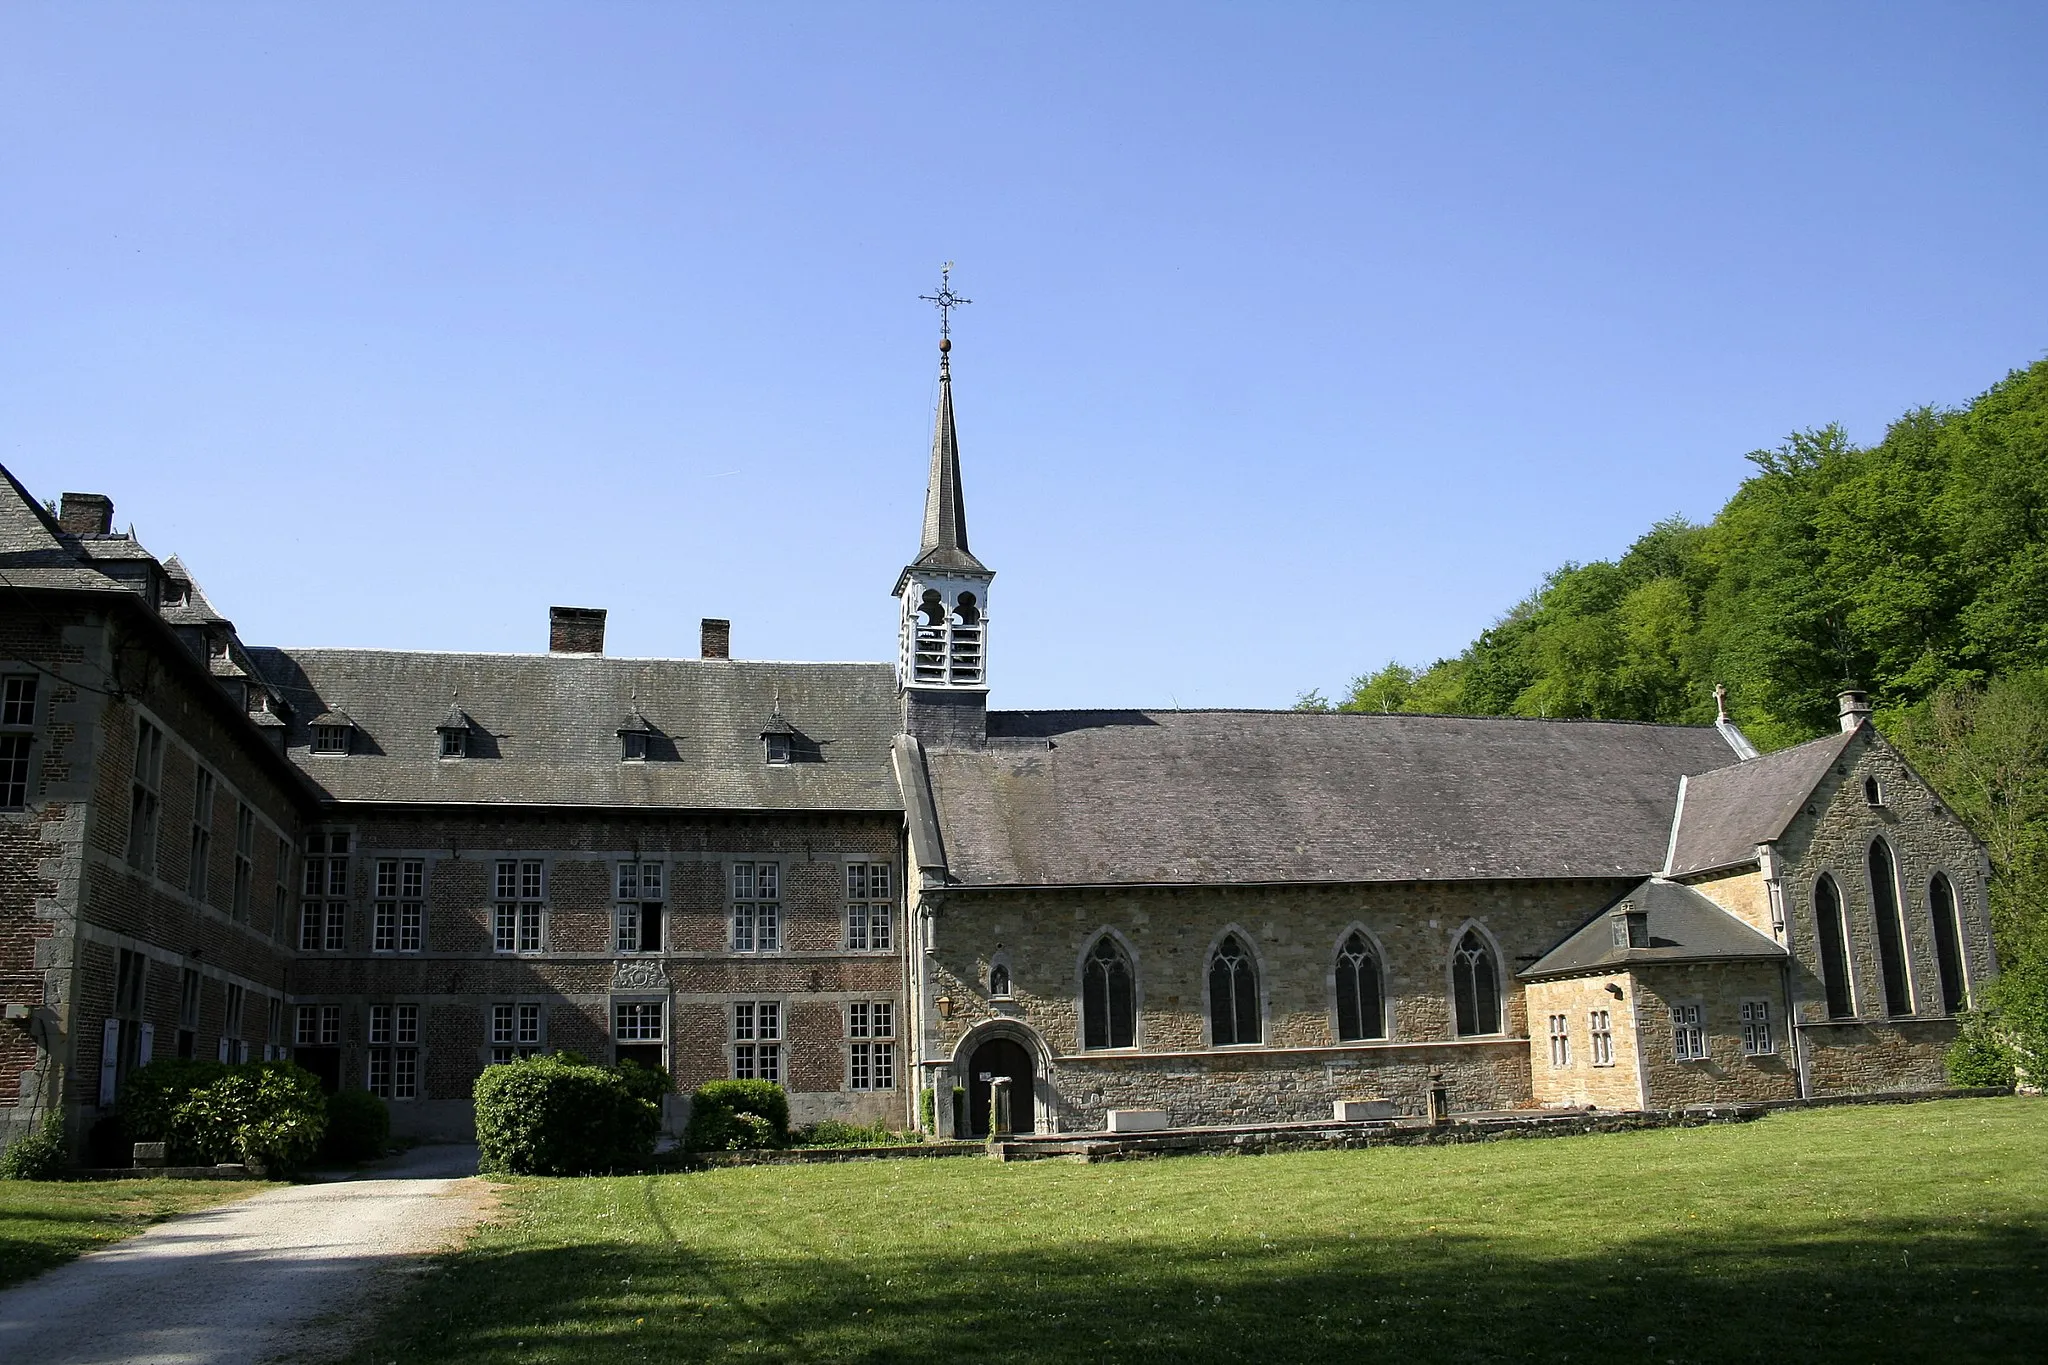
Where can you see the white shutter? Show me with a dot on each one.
(223, 1050)
(148, 1048)
(110, 1055)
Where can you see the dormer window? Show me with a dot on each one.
(1631, 927)
(633, 746)
(330, 739)
(1873, 792)
(778, 740)
(777, 748)
(176, 594)
(454, 732)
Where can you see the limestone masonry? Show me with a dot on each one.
(399, 868)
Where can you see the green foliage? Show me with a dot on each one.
(959, 1111)
(737, 1116)
(545, 1116)
(1978, 1056)
(358, 1128)
(267, 1113)
(839, 1133)
(649, 1083)
(151, 1100)
(927, 1110)
(38, 1156)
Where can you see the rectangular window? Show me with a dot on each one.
(868, 908)
(202, 835)
(188, 1013)
(515, 1032)
(516, 925)
(330, 739)
(323, 923)
(1601, 1036)
(871, 1065)
(281, 898)
(231, 1027)
(637, 919)
(318, 1026)
(637, 1021)
(756, 907)
(130, 977)
(143, 803)
(394, 1071)
(1688, 1035)
(400, 907)
(17, 712)
(245, 858)
(757, 1040)
(1757, 1038)
(1560, 1040)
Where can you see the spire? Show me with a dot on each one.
(943, 546)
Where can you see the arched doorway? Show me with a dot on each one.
(1000, 1057)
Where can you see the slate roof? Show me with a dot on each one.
(1684, 927)
(943, 545)
(195, 610)
(1138, 797)
(546, 729)
(1726, 813)
(35, 552)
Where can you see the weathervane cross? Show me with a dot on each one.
(946, 301)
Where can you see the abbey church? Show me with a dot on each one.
(858, 880)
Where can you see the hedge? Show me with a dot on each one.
(737, 1116)
(545, 1116)
(267, 1114)
(358, 1128)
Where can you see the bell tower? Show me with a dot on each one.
(942, 594)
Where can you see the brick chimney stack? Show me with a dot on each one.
(576, 630)
(715, 638)
(86, 514)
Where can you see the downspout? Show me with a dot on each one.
(1781, 928)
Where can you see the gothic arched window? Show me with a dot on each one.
(1834, 948)
(1361, 1012)
(1475, 986)
(1233, 994)
(1891, 932)
(999, 980)
(1948, 942)
(1108, 998)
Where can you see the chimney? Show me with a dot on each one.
(1855, 708)
(714, 638)
(86, 514)
(576, 630)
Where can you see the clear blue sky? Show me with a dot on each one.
(1304, 337)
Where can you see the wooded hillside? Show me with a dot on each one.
(1916, 568)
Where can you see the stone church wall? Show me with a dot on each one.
(1726, 1073)
(1613, 1085)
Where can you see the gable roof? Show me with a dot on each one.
(1726, 813)
(546, 729)
(35, 552)
(1684, 927)
(1181, 797)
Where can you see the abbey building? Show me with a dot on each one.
(399, 868)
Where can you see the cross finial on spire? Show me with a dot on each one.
(945, 301)
(1721, 701)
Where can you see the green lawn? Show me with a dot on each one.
(1890, 1232)
(44, 1223)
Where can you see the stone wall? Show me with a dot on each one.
(1727, 1073)
(1615, 1085)
(1860, 1058)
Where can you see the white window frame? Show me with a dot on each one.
(871, 1046)
(1560, 1040)
(756, 921)
(519, 912)
(392, 1063)
(1600, 1034)
(316, 1026)
(518, 1030)
(870, 908)
(757, 1040)
(145, 806)
(323, 912)
(200, 847)
(245, 860)
(1689, 1031)
(18, 703)
(1759, 1037)
(399, 910)
(642, 890)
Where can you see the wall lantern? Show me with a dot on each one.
(945, 1004)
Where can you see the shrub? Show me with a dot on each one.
(960, 1111)
(1978, 1057)
(265, 1113)
(151, 1099)
(268, 1114)
(358, 1127)
(39, 1156)
(737, 1116)
(650, 1083)
(839, 1133)
(544, 1116)
(927, 1110)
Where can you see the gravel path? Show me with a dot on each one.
(289, 1274)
